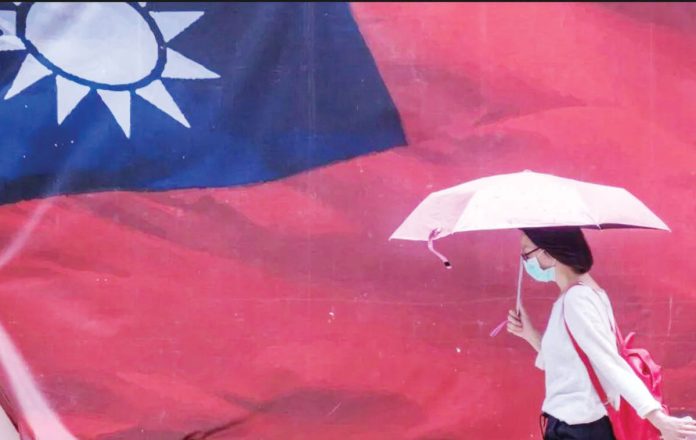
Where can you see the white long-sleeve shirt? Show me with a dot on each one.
(570, 395)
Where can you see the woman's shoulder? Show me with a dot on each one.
(580, 289)
(584, 300)
(586, 288)
(582, 293)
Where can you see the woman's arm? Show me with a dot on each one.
(584, 318)
(672, 427)
(594, 337)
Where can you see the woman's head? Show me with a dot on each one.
(565, 244)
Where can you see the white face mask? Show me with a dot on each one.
(535, 271)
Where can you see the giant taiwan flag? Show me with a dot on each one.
(196, 200)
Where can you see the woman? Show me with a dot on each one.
(572, 409)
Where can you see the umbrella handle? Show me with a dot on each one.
(519, 287)
(431, 247)
(519, 301)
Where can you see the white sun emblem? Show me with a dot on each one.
(113, 48)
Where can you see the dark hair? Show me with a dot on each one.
(566, 244)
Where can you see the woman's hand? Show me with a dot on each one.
(673, 428)
(522, 326)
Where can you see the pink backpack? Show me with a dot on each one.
(626, 423)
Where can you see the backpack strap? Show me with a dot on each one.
(585, 360)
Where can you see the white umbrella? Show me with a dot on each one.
(523, 200)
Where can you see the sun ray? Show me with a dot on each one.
(8, 38)
(8, 22)
(178, 66)
(30, 72)
(69, 94)
(172, 24)
(119, 103)
(10, 42)
(156, 94)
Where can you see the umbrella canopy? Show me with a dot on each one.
(525, 200)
